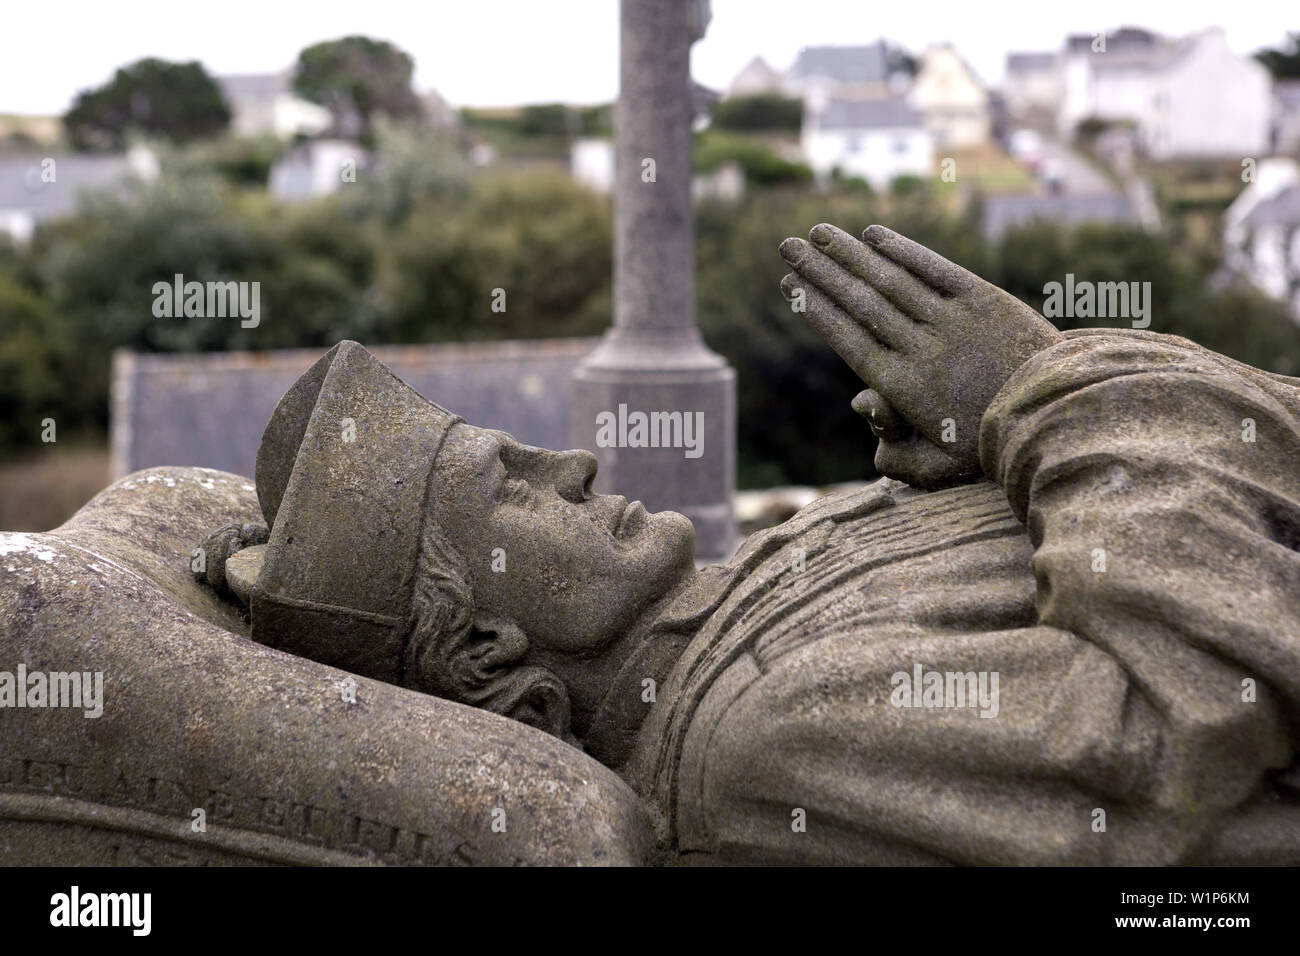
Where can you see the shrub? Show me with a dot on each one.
(765, 112)
(762, 166)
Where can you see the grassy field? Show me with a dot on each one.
(990, 170)
(41, 491)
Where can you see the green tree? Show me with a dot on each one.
(761, 165)
(35, 350)
(176, 100)
(765, 112)
(357, 78)
(94, 275)
(548, 119)
(1238, 321)
(1283, 63)
(536, 235)
(411, 164)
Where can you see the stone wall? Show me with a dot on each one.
(210, 409)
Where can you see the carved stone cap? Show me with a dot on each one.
(342, 478)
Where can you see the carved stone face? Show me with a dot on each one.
(573, 570)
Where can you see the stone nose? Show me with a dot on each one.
(570, 473)
(577, 472)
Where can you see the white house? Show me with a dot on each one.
(951, 97)
(1189, 97)
(591, 162)
(758, 78)
(878, 140)
(263, 103)
(1031, 84)
(1261, 232)
(34, 189)
(316, 168)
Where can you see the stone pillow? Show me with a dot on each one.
(213, 749)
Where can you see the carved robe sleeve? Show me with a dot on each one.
(1148, 666)
(1160, 485)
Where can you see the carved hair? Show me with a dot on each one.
(455, 652)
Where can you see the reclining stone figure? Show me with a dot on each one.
(1076, 515)
(1064, 628)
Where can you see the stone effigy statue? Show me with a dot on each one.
(1064, 628)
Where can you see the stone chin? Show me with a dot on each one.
(635, 527)
(673, 531)
(657, 554)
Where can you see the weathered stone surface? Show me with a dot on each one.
(1074, 637)
(197, 716)
(776, 674)
(410, 546)
(654, 359)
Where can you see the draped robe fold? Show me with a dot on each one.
(1130, 571)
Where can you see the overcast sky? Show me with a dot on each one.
(497, 52)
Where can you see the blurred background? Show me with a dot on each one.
(381, 169)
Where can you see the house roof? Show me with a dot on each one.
(1135, 50)
(1281, 209)
(759, 67)
(1158, 57)
(868, 114)
(21, 187)
(929, 64)
(845, 64)
(1007, 212)
(1030, 62)
(253, 87)
(1125, 39)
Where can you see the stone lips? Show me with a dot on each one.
(197, 716)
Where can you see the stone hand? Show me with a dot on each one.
(220, 545)
(932, 340)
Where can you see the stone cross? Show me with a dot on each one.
(652, 380)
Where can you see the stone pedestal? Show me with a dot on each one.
(653, 359)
